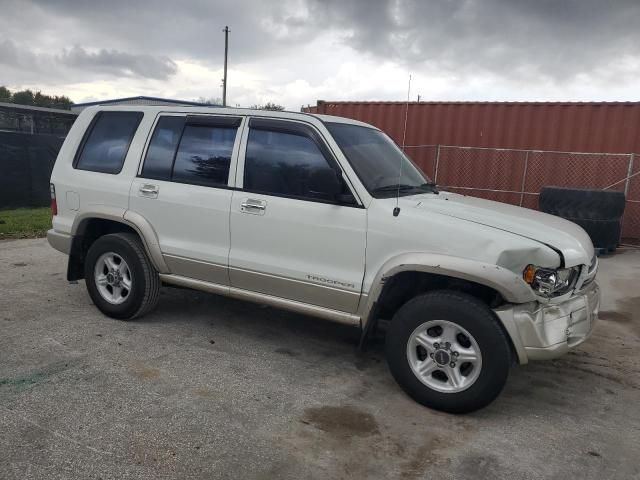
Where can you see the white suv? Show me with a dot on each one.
(327, 217)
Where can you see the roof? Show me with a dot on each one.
(31, 108)
(212, 109)
(141, 97)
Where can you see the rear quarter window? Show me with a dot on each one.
(106, 143)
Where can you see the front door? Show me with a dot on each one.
(288, 240)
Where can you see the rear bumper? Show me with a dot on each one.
(59, 241)
(542, 332)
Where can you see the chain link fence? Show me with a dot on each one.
(517, 176)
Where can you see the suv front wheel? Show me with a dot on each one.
(120, 278)
(448, 352)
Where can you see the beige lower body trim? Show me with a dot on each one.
(188, 267)
(256, 297)
(306, 292)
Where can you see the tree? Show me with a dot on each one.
(23, 97)
(38, 99)
(5, 94)
(269, 106)
(217, 101)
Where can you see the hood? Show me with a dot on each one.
(556, 232)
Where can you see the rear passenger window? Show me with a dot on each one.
(107, 143)
(204, 155)
(162, 149)
(191, 149)
(280, 163)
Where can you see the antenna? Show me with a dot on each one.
(396, 210)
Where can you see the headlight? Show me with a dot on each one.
(548, 282)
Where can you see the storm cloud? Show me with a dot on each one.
(105, 62)
(296, 51)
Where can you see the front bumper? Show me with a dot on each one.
(544, 331)
(59, 241)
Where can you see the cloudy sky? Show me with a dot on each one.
(294, 52)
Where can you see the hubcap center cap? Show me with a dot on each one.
(110, 278)
(442, 357)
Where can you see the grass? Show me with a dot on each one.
(24, 223)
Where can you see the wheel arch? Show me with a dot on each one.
(89, 226)
(423, 272)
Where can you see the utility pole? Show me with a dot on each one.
(224, 80)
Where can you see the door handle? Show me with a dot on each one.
(149, 190)
(251, 205)
(257, 207)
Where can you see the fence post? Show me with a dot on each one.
(435, 174)
(629, 173)
(524, 177)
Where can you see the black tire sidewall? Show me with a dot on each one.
(475, 317)
(116, 244)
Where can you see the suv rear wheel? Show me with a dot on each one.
(448, 352)
(120, 278)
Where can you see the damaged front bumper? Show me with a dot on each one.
(545, 331)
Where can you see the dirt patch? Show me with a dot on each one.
(287, 352)
(342, 422)
(20, 264)
(145, 373)
(612, 315)
(425, 456)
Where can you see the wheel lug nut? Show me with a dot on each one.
(455, 354)
(447, 345)
(431, 355)
(452, 364)
(436, 345)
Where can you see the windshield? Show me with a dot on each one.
(377, 159)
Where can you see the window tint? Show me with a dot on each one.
(106, 146)
(377, 161)
(204, 155)
(280, 163)
(162, 148)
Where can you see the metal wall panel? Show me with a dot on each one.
(612, 127)
(509, 151)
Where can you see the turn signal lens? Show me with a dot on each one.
(529, 274)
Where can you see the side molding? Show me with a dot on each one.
(278, 302)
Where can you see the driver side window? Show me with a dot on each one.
(281, 163)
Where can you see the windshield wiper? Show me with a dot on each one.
(404, 188)
(431, 186)
(394, 188)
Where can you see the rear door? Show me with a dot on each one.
(286, 239)
(183, 189)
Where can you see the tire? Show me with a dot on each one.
(604, 234)
(139, 284)
(583, 204)
(463, 313)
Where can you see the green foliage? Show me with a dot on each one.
(37, 99)
(217, 101)
(5, 94)
(25, 222)
(269, 106)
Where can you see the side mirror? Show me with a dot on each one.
(325, 183)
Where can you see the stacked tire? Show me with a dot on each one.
(599, 212)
